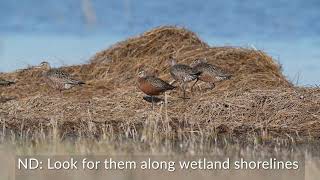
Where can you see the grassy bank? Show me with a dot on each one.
(257, 101)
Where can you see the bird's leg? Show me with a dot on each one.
(166, 105)
(184, 90)
(152, 102)
(194, 84)
(180, 87)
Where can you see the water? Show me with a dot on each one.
(70, 32)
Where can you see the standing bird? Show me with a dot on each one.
(209, 73)
(58, 79)
(152, 85)
(4, 82)
(183, 74)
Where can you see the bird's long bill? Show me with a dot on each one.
(81, 82)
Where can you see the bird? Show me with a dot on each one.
(57, 78)
(183, 74)
(6, 99)
(4, 82)
(152, 86)
(209, 73)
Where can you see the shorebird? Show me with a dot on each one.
(6, 99)
(4, 82)
(58, 79)
(209, 73)
(152, 85)
(183, 74)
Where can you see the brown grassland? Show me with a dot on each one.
(258, 104)
(257, 108)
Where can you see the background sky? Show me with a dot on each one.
(68, 32)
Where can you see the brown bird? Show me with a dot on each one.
(4, 82)
(152, 85)
(183, 74)
(58, 79)
(209, 73)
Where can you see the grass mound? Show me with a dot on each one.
(162, 41)
(258, 99)
(250, 68)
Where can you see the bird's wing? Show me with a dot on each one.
(219, 73)
(6, 82)
(159, 83)
(63, 76)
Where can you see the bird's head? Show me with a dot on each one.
(44, 65)
(142, 74)
(172, 62)
(198, 61)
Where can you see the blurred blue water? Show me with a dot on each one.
(71, 31)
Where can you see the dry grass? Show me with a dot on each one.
(258, 101)
(104, 149)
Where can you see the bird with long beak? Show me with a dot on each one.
(4, 82)
(209, 72)
(183, 74)
(152, 85)
(57, 78)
